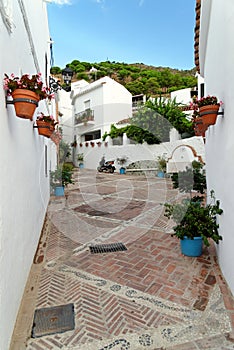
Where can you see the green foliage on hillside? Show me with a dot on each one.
(138, 78)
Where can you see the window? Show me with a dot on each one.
(87, 104)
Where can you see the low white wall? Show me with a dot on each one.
(93, 155)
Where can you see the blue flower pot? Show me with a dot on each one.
(191, 247)
(59, 191)
(81, 165)
(122, 171)
(160, 174)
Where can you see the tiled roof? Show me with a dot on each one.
(197, 34)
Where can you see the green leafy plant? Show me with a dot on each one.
(47, 118)
(172, 111)
(194, 219)
(80, 157)
(161, 164)
(122, 160)
(134, 133)
(62, 176)
(193, 178)
(64, 151)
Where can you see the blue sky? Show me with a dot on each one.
(154, 32)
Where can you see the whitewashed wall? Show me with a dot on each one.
(93, 155)
(181, 96)
(216, 60)
(24, 188)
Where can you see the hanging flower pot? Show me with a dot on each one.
(199, 127)
(25, 103)
(44, 128)
(26, 91)
(45, 125)
(209, 114)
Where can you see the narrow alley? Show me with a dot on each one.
(145, 296)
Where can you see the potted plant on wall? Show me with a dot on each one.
(195, 223)
(206, 110)
(26, 92)
(46, 124)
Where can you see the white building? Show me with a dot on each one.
(214, 57)
(25, 156)
(98, 105)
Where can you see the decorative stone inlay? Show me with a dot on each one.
(145, 340)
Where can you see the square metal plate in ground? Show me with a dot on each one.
(107, 248)
(52, 320)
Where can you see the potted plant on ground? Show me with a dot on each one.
(161, 166)
(80, 158)
(121, 161)
(60, 178)
(195, 223)
(26, 91)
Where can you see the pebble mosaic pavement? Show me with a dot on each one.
(147, 297)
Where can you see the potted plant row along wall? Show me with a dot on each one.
(26, 92)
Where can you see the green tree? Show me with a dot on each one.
(152, 86)
(150, 120)
(171, 110)
(55, 70)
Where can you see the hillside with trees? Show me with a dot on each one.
(138, 78)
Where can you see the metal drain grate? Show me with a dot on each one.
(52, 320)
(107, 248)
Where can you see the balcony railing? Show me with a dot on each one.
(84, 117)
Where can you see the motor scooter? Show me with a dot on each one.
(107, 167)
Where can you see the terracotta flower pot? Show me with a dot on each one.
(45, 128)
(199, 127)
(25, 103)
(209, 114)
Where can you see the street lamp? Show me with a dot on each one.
(67, 74)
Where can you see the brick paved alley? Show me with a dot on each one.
(149, 296)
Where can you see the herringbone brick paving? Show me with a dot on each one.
(149, 296)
